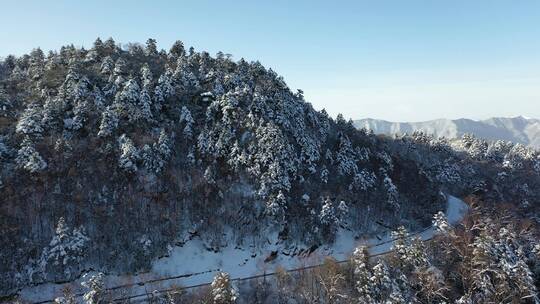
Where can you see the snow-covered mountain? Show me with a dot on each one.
(516, 129)
(112, 158)
(164, 147)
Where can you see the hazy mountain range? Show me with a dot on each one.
(516, 129)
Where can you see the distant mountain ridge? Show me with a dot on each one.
(515, 129)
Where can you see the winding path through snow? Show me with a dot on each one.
(185, 263)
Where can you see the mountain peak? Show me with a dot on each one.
(519, 129)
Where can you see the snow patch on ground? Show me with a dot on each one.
(192, 264)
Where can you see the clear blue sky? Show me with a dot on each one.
(395, 60)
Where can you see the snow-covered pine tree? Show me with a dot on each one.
(276, 207)
(151, 48)
(440, 222)
(324, 175)
(187, 120)
(392, 193)
(223, 292)
(332, 216)
(107, 66)
(409, 251)
(65, 251)
(499, 269)
(154, 158)
(362, 274)
(30, 121)
(109, 121)
(95, 289)
(380, 283)
(345, 157)
(163, 90)
(177, 50)
(363, 180)
(129, 154)
(127, 101)
(28, 157)
(145, 105)
(95, 53)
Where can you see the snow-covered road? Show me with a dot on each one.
(193, 258)
(455, 211)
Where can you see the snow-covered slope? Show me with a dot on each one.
(192, 264)
(152, 145)
(516, 129)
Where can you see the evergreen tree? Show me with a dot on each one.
(163, 90)
(187, 119)
(129, 154)
(392, 194)
(345, 157)
(151, 48)
(29, 158)
(223, 292)
(119, 72)
(107, 66)
(177, 50)
(37, 64)
(145, 105)
(109, 122)
(145, 100)
(440, 222)
(96, 52)
(30, 121)
(155, 158)
(65, 251)
(362, 274)
(380, 282)
(363, 181)
(95, 289)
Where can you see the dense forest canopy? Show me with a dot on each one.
(159, 147)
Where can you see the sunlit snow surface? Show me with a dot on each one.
(197, 265)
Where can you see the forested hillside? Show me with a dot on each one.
(110, 155)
